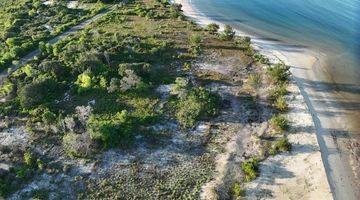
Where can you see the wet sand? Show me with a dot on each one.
(334, 107)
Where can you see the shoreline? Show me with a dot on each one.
(306, 67)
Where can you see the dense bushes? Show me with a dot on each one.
(39, 92)
(112, 131)
(198, 103)
(23, 25)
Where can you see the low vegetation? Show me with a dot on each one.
(227, 34)
(279, 122)
(280, 146)
(97, 89)
(26, 23)
(250, 168)
(213, 28)
(237, 190)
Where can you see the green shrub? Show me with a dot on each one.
(255, 80)
(39, 92)
(112, 131)
(278, 91)
(228, 33)
(29, 159)
(281, 104)
(282, 145)
(279, 73)
(279, 122)
(84, 82)
(176, 10)
(195, 40)
(197, 104)
(195, 43)
(250, 168)
(261, 59)
(243, 42)
(6, 88)
(213, 28)
(237, 190)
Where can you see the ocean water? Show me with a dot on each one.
(330, 26)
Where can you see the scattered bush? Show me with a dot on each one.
(279, 73)
(243, 42)
(29, 159)
(283, 145)
(112, 131)
(261, 59)
(228, 33)
(176, 10)
(199, 103)
(279, 146)
(277, 92)
(181, 87)
(250, 168)
(195, 43)
(39, 92)
(237, 190)
(130, 81)
(255, 80)
(79, 145)
(212, 28)
(281, 104)
(279, 122)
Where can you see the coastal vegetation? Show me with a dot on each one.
(121, 85)
(26, 23)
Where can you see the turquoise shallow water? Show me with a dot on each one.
(332, 26)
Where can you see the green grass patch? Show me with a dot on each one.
(250, 168)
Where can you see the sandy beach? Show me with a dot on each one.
(326, 126)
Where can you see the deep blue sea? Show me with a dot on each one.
(328, 25)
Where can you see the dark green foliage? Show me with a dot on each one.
(22, 26)
(199, 103)
(112, 131)
(39, 92)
